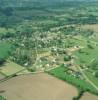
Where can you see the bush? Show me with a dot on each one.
(96, 74)
(67, 58)
(90, 46)
(2, 61)
(2, 98)
(75, 98)
(79, 95)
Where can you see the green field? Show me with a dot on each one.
(10, 68)
(87, 55)
(76, 41)
(87, 59)
(61, 74)
(92, 77)
(5, 48)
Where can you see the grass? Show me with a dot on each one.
(2, 98)
(10, 68)
(76, 41)
(92, 77)
(2, 76)
(87, 55)
(80, 84)
(4, 49)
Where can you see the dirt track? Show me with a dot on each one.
(37, 87)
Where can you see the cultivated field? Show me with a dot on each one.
(1, 76)
(37, 87)
(10, 68)
(88, 96)
(93, 27)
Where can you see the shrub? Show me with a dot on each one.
(2, 98)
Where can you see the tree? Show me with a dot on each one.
(67, 58)
(94, 65)
(23, 57)
(3, 32)
(90, 46)
(79, 95)
(75, 98)
(25, 30)
(11, 32)
(2, 61)
(7, 11)
(2, 98)
(96, 74)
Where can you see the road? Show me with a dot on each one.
(80, 70)
(85, 76)
(87, 79)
